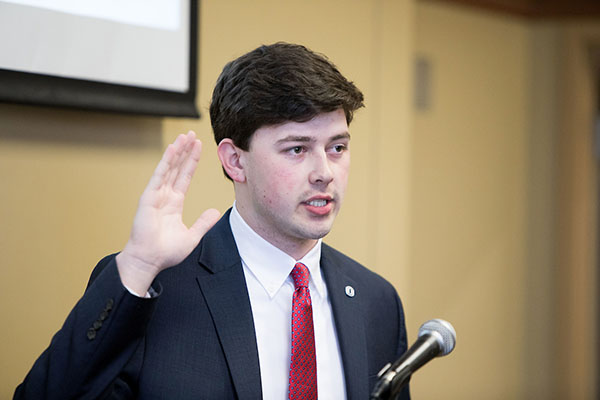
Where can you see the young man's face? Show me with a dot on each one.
(296, 176)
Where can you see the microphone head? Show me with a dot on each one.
(443, 331)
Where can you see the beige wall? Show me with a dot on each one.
(503, 199)
(456, 205)
(469, 197)
(577, 222)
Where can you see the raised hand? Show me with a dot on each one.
(159, 239)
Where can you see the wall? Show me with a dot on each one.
(504, 204)
(577, 223)
(71, 179)
(471, 195)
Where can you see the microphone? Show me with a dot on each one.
(437, 338)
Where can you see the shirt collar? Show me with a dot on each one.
(270, 265)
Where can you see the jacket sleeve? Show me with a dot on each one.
(99, 337)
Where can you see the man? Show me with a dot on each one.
(256, 306)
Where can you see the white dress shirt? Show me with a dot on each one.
(270, 287)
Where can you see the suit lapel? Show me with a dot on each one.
(224, 289)
(349, 326)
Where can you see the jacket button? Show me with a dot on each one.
(91, 334)
(109, 304)
(97, 325)
(103, 315)
(349, 291)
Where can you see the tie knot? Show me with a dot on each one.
(300, 275)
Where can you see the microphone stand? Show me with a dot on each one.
(389, 389)
(392, 378)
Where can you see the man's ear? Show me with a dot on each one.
(229, 154)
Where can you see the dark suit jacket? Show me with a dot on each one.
(195, 339)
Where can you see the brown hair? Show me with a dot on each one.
(274, 84)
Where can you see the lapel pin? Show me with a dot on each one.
(349, 291)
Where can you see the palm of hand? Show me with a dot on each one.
(159, 239)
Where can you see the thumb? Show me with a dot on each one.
(205, 222)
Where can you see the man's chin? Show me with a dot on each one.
(313, 230)
(318, 234)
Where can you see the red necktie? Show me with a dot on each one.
(303, 369)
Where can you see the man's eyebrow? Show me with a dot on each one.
(292, 138)
(307, 139)
(340, 136)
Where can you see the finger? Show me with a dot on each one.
(183, 151)
(178, 148)
(186, 173)
(205, 222)
(164, 167)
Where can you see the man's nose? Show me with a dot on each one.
(321, 170)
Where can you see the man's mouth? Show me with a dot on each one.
(318, 203)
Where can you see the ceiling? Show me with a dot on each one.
(536, 8)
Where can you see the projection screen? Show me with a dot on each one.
(134, 56)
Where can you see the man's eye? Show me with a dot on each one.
(296, 150)
(338, 148)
